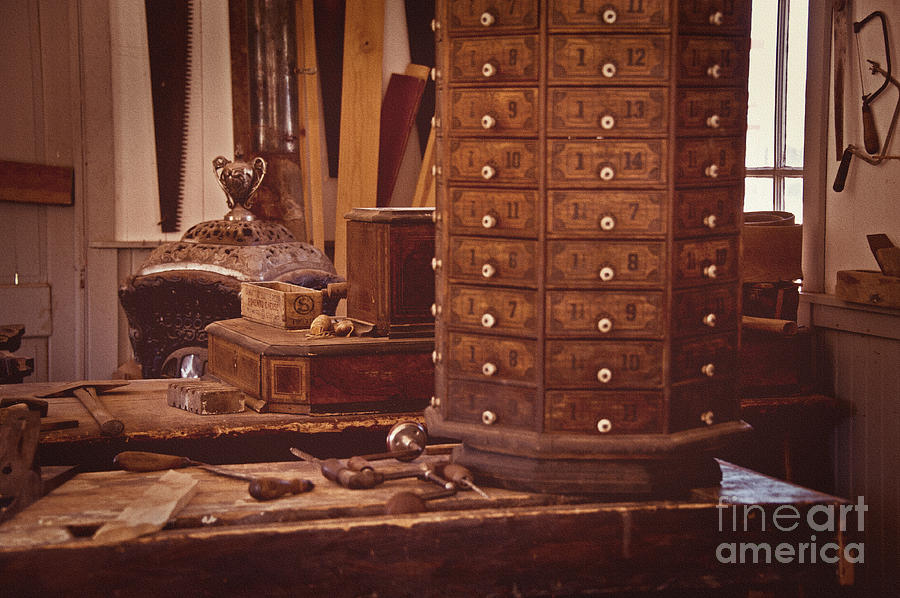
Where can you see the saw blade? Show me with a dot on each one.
(169, 42)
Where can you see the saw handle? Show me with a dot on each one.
(269, 488)
(142, 461)
(870, 134)
(841, 178)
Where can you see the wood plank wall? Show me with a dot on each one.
(859, 353)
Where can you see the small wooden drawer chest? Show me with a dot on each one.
(589, 175)
(389, 253)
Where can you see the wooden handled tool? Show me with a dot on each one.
(261, 488)
(413, 502)
(87, 392)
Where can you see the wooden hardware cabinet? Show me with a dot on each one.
(589, 174)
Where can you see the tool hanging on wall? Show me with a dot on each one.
(872, 155)
(169, 45)
(870, 133)
(840, 30)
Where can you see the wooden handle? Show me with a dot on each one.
(870, 134)
(337, 289)
(269, 488)
(109, 426)
(141, 461)
(841, 177)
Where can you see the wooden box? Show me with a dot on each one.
(296, 373)
(280, 304)
(391, 283)
(868, 286)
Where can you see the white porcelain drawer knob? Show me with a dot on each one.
(604, 325)
(604, 375)
(489, 369)
(488, 320)
(487, 19)
(604, 426)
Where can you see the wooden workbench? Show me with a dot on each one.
(336, 542)
(152, 425)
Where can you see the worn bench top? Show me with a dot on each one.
(338, 542)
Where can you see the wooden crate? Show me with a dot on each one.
(280, 304)
(391, 283)
(296, 373)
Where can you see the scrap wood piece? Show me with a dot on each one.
(425, 190)
(361, 95)
(148, 514)
(204, 398)
(23, 182)
(398, 115)
(313, 159)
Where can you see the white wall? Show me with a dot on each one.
(209, 120)
(870, 202)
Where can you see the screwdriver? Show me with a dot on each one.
(260, 488)
(459, 475)
(363, 479)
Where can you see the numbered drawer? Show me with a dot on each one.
(491, 404)
(603, 413)
(493, 212)
(713, 61)
(708, 160)
(708, 211)
(490, 16)
(714, 16)
(494, 111)
(705, 358)
(494, 161)
(605, 314)
(612, 263)
(610, 14)
(492, 261)
(608, 111)
(706, 311)
(605, 214)
(711, 112)
(706, 261)
(609, 59)
(703, 404)
(498, 311)
(490, 358)
(608, 162)
(603, 365)
(494, 59)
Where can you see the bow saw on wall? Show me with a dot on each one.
(873, 151)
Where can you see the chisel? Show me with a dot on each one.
(261, 488)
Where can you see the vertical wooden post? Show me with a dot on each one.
(361, 93)
(311, 150)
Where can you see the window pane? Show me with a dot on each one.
(761, 101)
(759, 194)
(796, 83)
(793, 198)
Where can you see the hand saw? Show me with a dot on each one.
(169, 44)
(840, 10)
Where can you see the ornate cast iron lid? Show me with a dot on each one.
(238, 245)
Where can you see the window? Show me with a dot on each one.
(776, 106)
